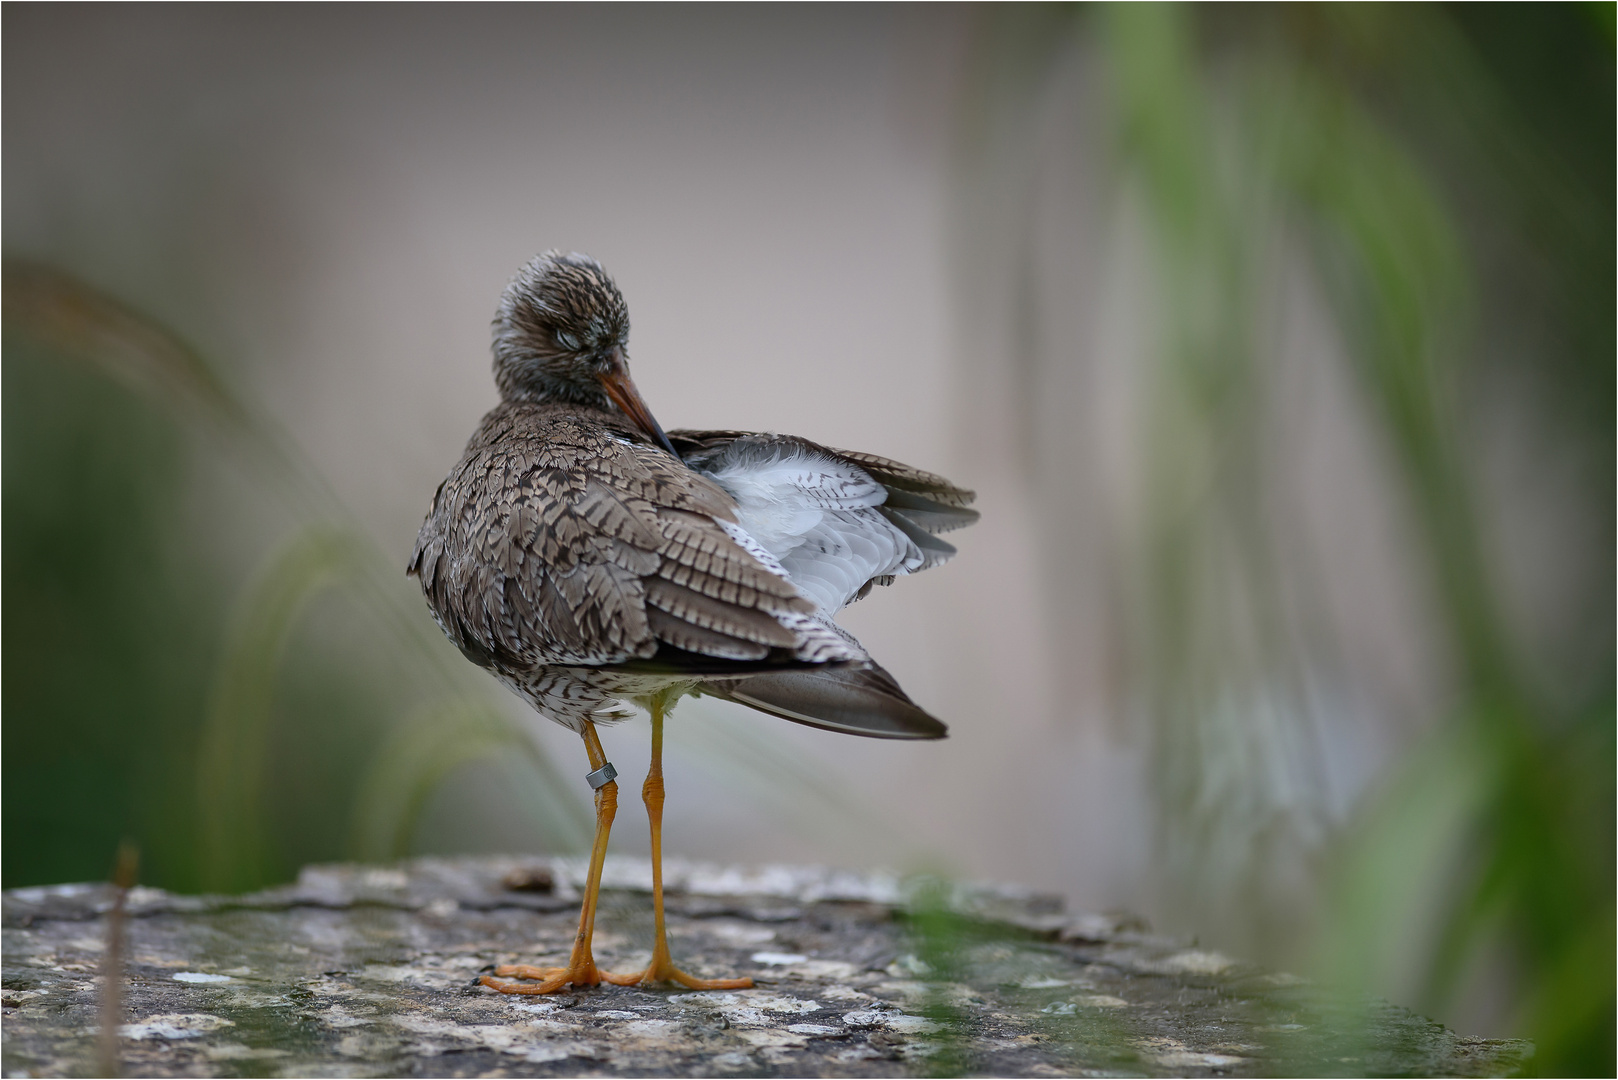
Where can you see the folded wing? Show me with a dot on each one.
(559, 542)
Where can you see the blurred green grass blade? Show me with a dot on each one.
(423, 752)
(236, 730)
(64, 315)
(1238, 127)
(941, 938)
(1398, 876)
(1403, 288)
(74, 319)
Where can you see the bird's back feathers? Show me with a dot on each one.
(564, 539)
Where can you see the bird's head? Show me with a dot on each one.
(562, 334)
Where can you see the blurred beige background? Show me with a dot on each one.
(329, 202)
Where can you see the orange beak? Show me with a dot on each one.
(618, 386)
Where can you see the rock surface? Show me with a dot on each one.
(369, 971)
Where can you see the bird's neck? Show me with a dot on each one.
(532, 387)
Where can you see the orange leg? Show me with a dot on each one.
(581, 969)
(662, 968)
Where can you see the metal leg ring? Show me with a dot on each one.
(600, 778)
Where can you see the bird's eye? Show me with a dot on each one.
(567, 341)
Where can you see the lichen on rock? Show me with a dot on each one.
(362, 971)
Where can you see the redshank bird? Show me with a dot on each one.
(592, 563)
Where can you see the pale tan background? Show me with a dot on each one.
(330, 200)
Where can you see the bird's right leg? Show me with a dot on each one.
(662, 968)
(581, 969)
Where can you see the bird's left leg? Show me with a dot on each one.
(662, 968)
(581, 969)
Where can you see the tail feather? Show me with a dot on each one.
(858, 699)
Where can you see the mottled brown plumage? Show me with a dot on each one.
(564, 538)
(586, 558)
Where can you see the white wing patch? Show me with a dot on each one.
(813, 514)
(819, 639)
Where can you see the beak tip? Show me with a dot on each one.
(624, 395)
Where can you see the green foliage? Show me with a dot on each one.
(1448, 174)
(957, 955)
(942, 937)
(104, 624)
(136, 706)
(236, 730)
(426, 749)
